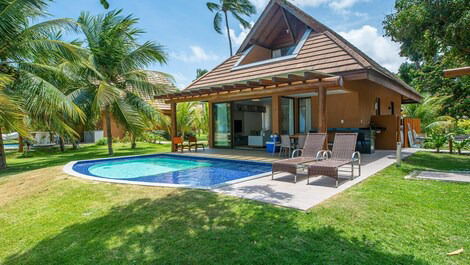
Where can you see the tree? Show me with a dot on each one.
(237, 8)
(11, 117)
(200, 72)
(113, 83)
(427, 28)
(451, 95)
(434, 36)
(104, 3)
(25, 90)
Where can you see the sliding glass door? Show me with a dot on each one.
(287, 116)
(222, 125)
(305, 115)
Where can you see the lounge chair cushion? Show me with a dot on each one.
(290, 165)
(326, 167)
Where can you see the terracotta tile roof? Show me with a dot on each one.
(319, 52)
(168, 86)
(324, 51)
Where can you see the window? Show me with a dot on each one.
(283, 51)
(392, 108)
(287, 115)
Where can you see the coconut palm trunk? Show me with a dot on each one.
(133, 143)
(61, 144)
(228, 33)
(109, 134)
(3, 159)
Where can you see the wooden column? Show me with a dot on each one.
(174, 126)
(210, 137)
(321, 118)
(276, 114)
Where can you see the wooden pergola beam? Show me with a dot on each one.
(296, 77)
(281, 80)
(329, 82)
(456, 72)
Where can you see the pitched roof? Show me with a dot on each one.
(167, 86)
(324, 51)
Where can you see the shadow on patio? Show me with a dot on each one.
(194, 227)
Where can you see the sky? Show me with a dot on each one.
(185, 28)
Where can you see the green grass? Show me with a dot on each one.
(47, 217)
(46, 157)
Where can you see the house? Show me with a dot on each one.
(294, 75)
(158, 78)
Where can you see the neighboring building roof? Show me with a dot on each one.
(323, 51)
(167, 86)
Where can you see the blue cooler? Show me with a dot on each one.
(271, 145)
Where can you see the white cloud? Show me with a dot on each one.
(383, 50)
(238, 39)
(198, 54)
(334, 4)
(181, 81)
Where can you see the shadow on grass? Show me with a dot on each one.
(194, 227)
(48, 157)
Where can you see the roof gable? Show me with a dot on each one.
(324, 51)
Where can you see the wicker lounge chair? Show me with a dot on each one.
(311, 151)
(193, 142)
(343, 153)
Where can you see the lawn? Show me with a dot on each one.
(47, 217)
(47, 157)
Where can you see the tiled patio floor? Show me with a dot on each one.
(283, 191)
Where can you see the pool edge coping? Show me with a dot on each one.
(68, 169)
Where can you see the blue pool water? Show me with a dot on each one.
(11, 146)
(172, 169)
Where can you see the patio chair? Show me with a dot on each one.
(286, 145)
(311, 151)
(193, 142)
(301, 141)
(179, 144)
(343, 153)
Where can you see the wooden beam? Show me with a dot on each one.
(174, 126)
(296, 77)
(276, 114)
(312, 75)
(393, 85)
(330, 82)
(322, 123)
(211, 125)
(456, 72)
(254, 84)
(241, 86)
(289, 28)
(280, 80)
(266, 82)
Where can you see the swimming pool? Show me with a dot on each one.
(169, 170)
(10, 146)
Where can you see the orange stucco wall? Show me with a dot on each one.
(354, 109)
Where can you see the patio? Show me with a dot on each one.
(283, 191)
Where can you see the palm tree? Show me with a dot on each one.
(237, 8)
(114, 84)
(200, 72)
(186, 117)
(27, 91)
(11, 117)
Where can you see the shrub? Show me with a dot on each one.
(438, 139)
(461, 144)
(102, 141)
